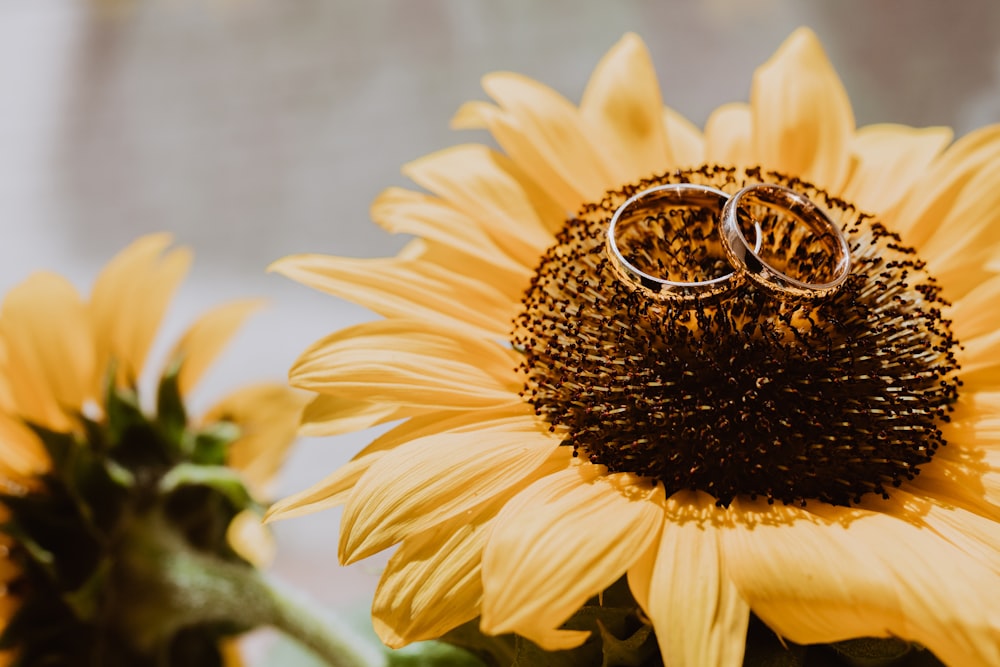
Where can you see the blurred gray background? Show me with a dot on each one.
(252, 129)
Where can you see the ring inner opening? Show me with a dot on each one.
(678, 243)
(795, 242)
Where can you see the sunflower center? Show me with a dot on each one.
(752, 394)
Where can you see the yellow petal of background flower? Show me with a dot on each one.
(802, 117)
(729, 136)
(433, 582)
(408, 363)
(697, 613)
(204, 340)
(561, 541)
(49, 352)
(430, 479)
(488, 187)
(130, 297)
(268, 418)
(686, 146)
(22, 455)
(836, 573)
(623, 110)
(251, 539)
(404, 287)
(888, 159)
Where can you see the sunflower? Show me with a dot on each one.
(85, 467)
(830, 468)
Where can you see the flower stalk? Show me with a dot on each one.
(176, 586)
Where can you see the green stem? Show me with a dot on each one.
(176, 586)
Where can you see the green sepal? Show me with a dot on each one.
(54, 534)
(87, 599)
(122, 412)
(225, 480)
(201, 501)
(171, 414)
(492, 651)
(619, 637)
(134, 441)
(58, 445)
(98, 486)
(632, 651)
(210, 445)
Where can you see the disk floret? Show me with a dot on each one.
(752, 394)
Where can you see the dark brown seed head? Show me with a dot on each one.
(753, 395)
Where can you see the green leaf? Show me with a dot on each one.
(432, 654)
(170, 411)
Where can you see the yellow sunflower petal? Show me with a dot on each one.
(561, 541)
(433, 582)
(981, 362)
(974, 314)
(231, 655)
(130, 297)
(933, 197)
(729, 136)
(697, 613)
(686, 144)
(204, 340)
(802, 117)
(335, 488)
(621, 107)
(431, 479)
(967, 236)
(413, 364)
(335, 415)
(961, 475)
(49, 352)
(545, 136)
(973, 534)
(404, 212)
(268, 417)
(487, 186)
(397, 287)
(837, 573)
(444, 561)
(888, 159)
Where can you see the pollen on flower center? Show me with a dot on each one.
(750, 395)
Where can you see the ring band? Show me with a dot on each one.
(666, 197)
(803, 210)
